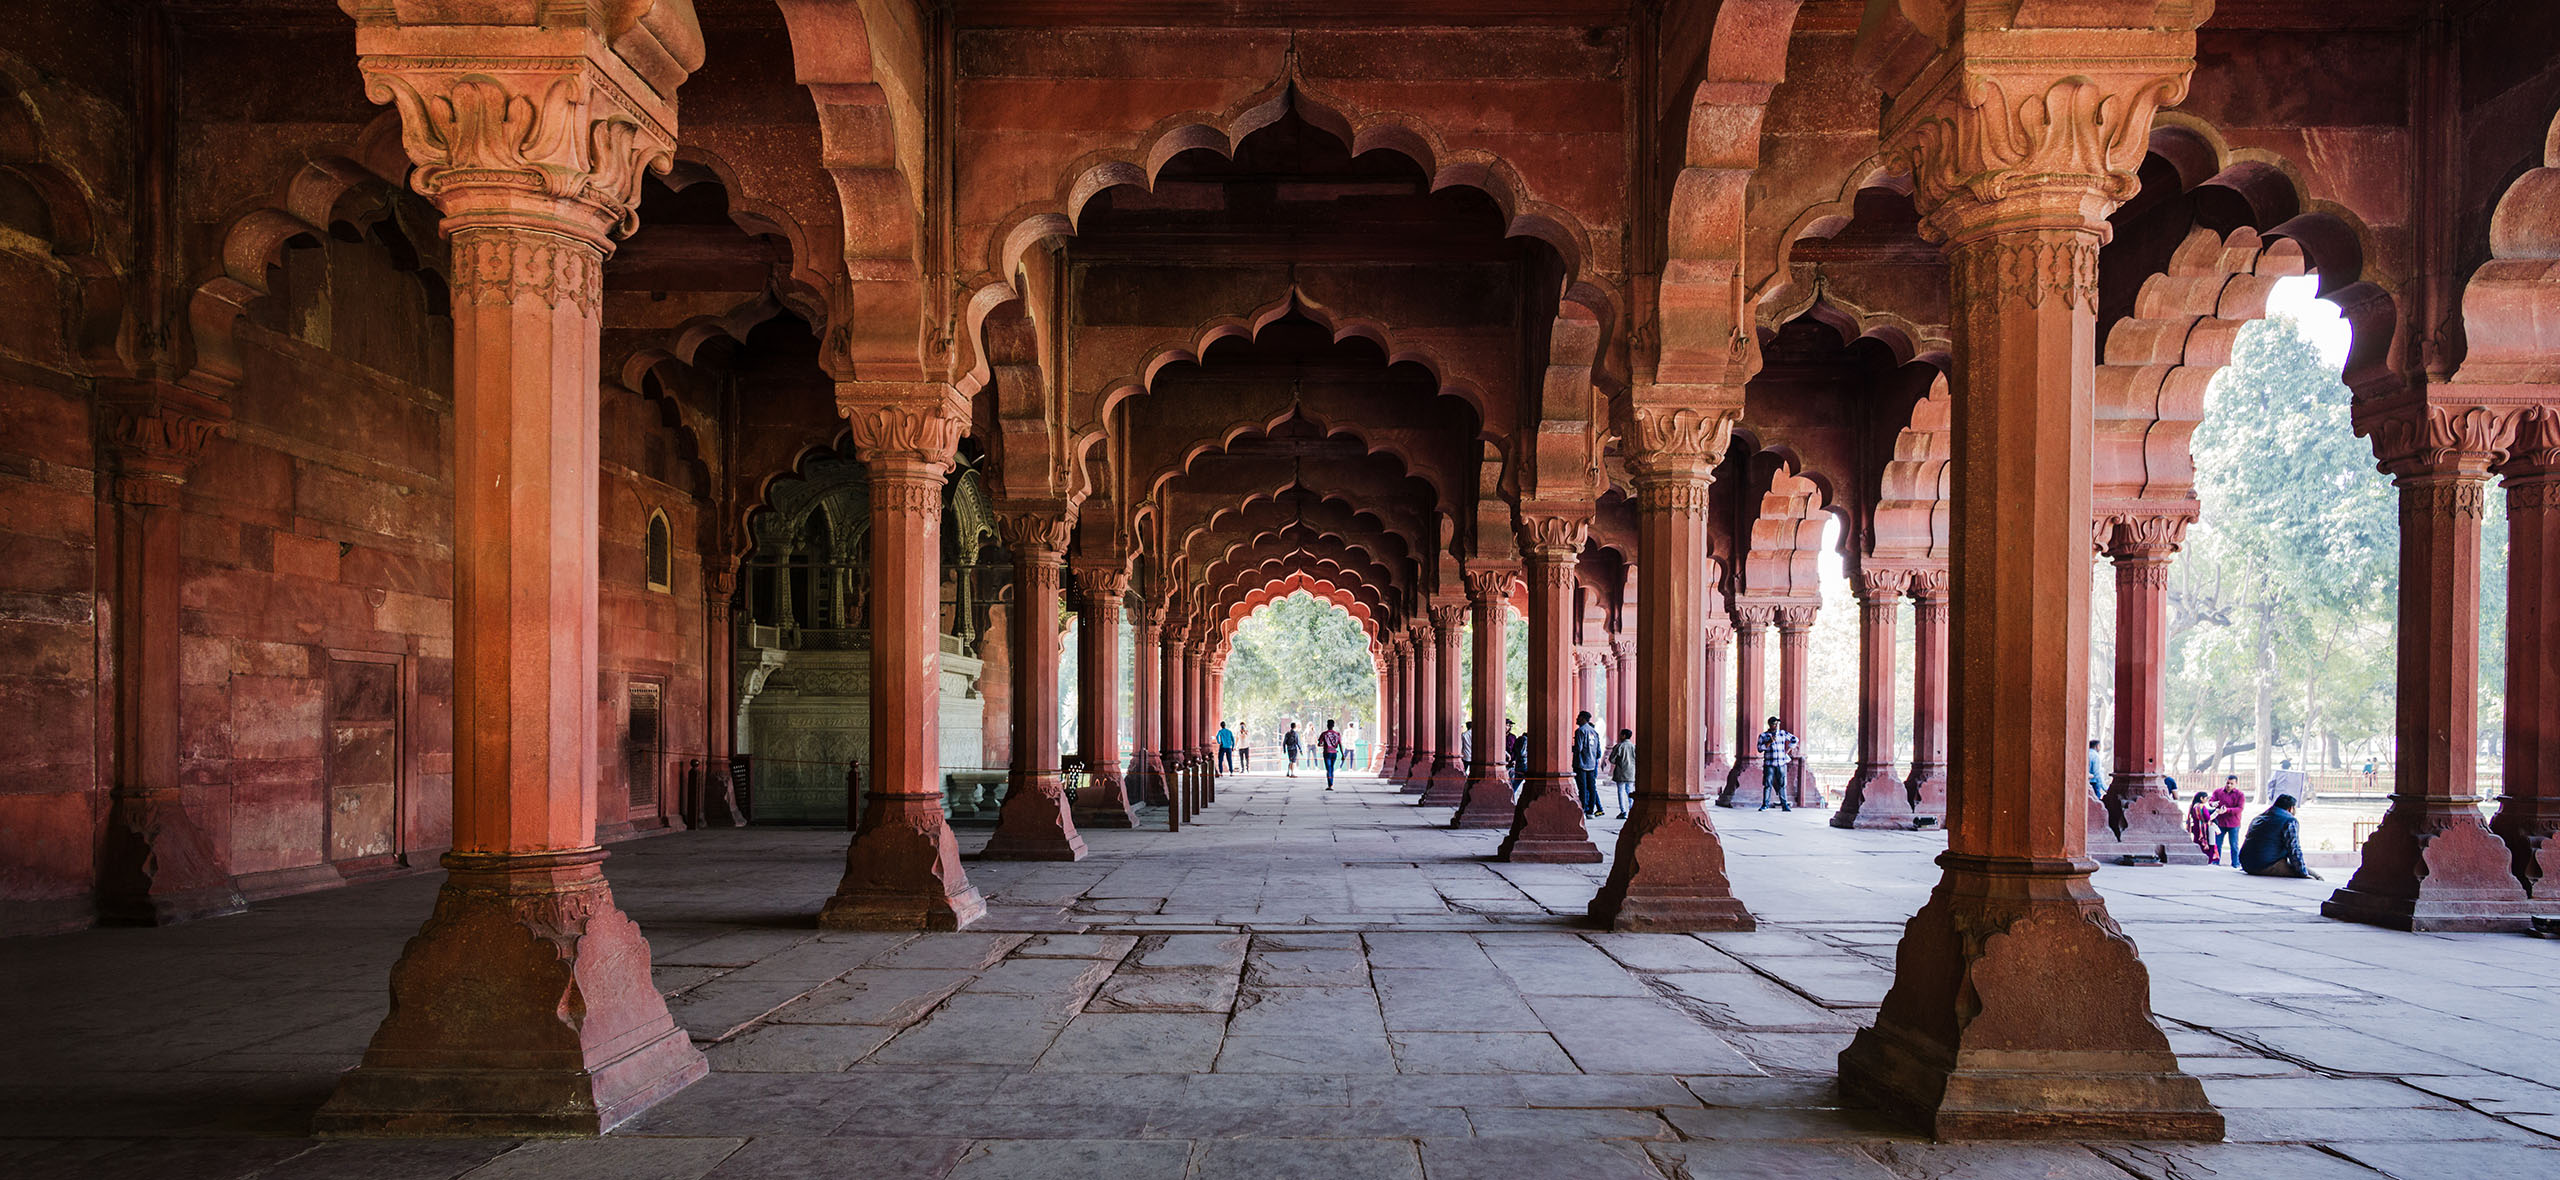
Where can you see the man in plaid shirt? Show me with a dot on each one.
(1777, 753)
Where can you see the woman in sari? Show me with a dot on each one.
(2200, 827)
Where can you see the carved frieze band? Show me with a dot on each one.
(504, 267)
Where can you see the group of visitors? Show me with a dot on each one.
(1328, 747)
(2273, 845)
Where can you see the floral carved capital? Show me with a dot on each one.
(1753, 619)
(1035, 533)
(153, 433)
(1677, 444)
(1488, 587)
(526, 138)
(1886, 584)
(1552, 534)
(925, 433)
(1994, 137)
(2445, 438)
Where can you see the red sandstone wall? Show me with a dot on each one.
(652, 636)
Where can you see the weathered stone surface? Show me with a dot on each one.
(1105, 1042)
(894, 998)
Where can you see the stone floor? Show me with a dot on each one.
(1302, 985)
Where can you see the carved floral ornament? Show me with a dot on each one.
(925, 433)
(1035, 534)
(1678, 442)
(1884, 584)
(1488, 587)
(1753, 619)
(549, 127)
(1553, 536)
(2437, 437)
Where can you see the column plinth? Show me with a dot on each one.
(2018, 1008)
(903, 869)
(1104, 801)
(556, 1034)
(1485, 801)
(1875, 798)
(2433, 864)
(1546, 823)
(1750, 700)
(1033, 823)
(1668, 872)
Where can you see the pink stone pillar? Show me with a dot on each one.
(2018, 1008)
(1486, 801)
(1668, 873)
(1927, 786)
(1176, 647)
(1426, 705)
(1391, 710)
(2433, 864)
(2154, 823)
(1750, 701)
(1546, 824)
(1622, 688)
(719, 801)
(1875, 797)
(524, 1006)
(2529, 810)
(1448, 782)
(1795, 649)
(903, 871)
(1104, 801)
(1146, 766)
(1716, 639)
(156, 865)
(1034, 823)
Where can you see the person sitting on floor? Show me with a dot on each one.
(2273, 847)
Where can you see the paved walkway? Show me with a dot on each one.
(1302, 985)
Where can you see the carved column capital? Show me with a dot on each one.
(1677, 446)
(2129, 537)
(719, 579)
(1929, 586)
(1754, 616)
(1553, 532)
(1448, 618)
(2024, 128)
(1797, 618)
(1883, 584)
(152, 432)
(1489, 587)
(1103, 584)
(914, 434)
(545, 127)
(1035, 531)
(2414, 439)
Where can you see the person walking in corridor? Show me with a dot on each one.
(2227, 803)
(1777, 753)
(1289, 747)
(1622, 768)
(1226, 747)
(1329, 743)
(1586, 762)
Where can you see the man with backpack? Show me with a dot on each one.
(1289, 747)
(1329, 743)
(1622, 768)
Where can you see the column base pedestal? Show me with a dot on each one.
(1668, 875)
(2434, 869)
(1104, 802)
(1145, 780)
(1927, 787)
(2153, 826)
(1875, 800)
(523, 1007)
(1746, 771)
(1447, 787)
(720, 799)
(1546, 826)
(159, 869)
(1034, 824)
(1485, 802)
(2019, 1011)
(1416, 778)
(903, 871)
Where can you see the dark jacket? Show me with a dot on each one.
(2274, 837)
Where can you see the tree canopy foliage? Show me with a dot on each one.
(1301, 659)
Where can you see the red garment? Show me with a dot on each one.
(2200, 829)
(2227, 803)
(1329, 742)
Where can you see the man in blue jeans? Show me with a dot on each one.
(1226, 747)
(1586, 762)
(1329, 743)
(1777, 754)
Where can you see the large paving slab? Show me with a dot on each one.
(1299, 983)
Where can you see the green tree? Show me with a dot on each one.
(1299, 659)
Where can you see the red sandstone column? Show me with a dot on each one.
(524, 1004)
(1795, 648)
(1176, 731)
(1104, 801)
(719, 665)
(1426, 704)
(1716, 636)
(1546, 825)
(2433, 864)
(156, 865)
(1622, 686)
(1750, 701)
(1034, 824)
(2529, 810)
(903, 871)
(2154, 823)
(1927, 786)
(2018, 1009)
(1391, 710)
(1875, 797)
(1146, 766)
(1669, 870)
(1448, 782)
(1203, 720)
(1487, 794)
